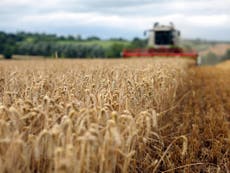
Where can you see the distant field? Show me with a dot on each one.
(103, 43)
(218, 49)
(204, 47)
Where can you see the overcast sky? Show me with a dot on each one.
(207, 19)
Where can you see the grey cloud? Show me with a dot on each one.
(145, 7)
(11, 15)
(116, 4)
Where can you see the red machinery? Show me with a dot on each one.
(163, 42)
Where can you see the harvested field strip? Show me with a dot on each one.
(204, 117)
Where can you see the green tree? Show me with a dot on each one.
(138, 43)
(8, 52)
(227, 55)
(93, 38)
(114, 51)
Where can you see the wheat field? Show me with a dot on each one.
(113, 116)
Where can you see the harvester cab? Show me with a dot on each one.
(163, 36)
(163, 41)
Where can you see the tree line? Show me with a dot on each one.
(49, 45)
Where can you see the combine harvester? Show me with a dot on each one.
(163, 42)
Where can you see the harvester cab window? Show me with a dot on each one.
(164, 38)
